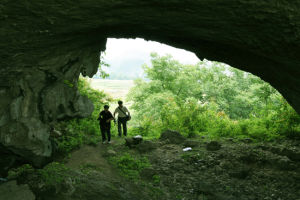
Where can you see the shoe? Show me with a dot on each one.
(104, 142)
(108, 142)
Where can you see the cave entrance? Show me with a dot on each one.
(180, 92)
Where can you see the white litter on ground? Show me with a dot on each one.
(187, 149)
(138, 136)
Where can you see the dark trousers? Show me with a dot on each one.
(122, 121)
(105, 131)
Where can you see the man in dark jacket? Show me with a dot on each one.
(105, 118)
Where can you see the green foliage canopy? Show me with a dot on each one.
(211, 98)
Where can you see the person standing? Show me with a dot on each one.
(105, 118)
(123, 117)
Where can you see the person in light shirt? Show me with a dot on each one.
(123, 117)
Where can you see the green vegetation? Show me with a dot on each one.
(51, 175)
(129, 166)
(69, 83)
(210, 99)
(156, 179)
(20, 171)
(102, 64)
(77, 132)
(54, 174)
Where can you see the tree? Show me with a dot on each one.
(208, 96)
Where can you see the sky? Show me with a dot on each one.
(126, 56)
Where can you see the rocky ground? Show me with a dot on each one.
(212, 170)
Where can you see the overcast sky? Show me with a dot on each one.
(132, 53)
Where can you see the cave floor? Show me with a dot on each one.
(232, 169)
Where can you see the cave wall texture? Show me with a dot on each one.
(46, 44)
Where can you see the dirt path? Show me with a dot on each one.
(93, 156)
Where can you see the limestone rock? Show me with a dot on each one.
(12, 191)
(28, 107)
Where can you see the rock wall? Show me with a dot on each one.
(46, 44)
(35, 97)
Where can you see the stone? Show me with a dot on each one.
(213, 146)
(11, 191)
(133, 141)
(56, 133)
(25, 122)
(173, 137)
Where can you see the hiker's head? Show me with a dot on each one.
(106, 107)
(120, 103)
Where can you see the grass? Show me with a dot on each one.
(129, 166)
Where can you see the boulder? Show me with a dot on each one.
(173, 137)
(133, 141)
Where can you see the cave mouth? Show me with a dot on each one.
(236, 101)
